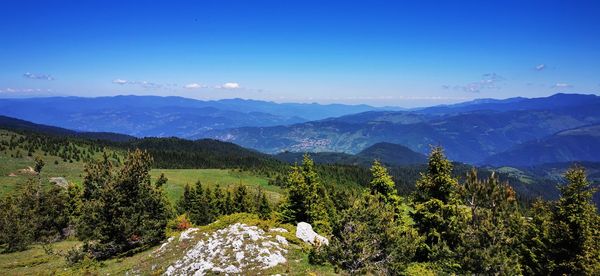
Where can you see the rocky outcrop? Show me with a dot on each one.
(237, 249)
(305, 232)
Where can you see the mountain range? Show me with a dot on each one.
(469, 132)
(514, 131)
(143, 116)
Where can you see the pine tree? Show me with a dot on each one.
(264, 208)
(241, 201)
(438, 214)
(219, 201)
(368, 239)
(39, 164)
(381, 181)
(576, 247)
(200, 209)
(494, 229)
(121, 210)
(228, 204)
(308, 200)
(184, 205)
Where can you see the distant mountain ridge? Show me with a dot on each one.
(475, 132)
(469, 132)
(165, 116)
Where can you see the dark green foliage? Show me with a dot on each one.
(494, 230)
(121, 209)
(205, 205)
(241, 200)
(16, 226)
(369, 239)
(576, 227)
(264, 208)
(186, 201)
(308, 200)
(562, 236)
(39, 164)
(33, 214)
(438, 213)
(382, 183)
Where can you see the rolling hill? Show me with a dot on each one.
(9, 123)
(578, 144)
(387, 153)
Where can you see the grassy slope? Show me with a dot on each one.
(74, 173)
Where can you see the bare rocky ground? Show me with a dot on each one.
(230, 249)
(235, 249)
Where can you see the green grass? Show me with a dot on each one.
(226, 179)
(12, 174)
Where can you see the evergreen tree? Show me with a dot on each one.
(211, 211)
(308, 200)
(16, 225)
(576, 248)
(368, 239)
(184, 205)
(264, 208)
(39, 164)
(200, 210)
(162, 180)
(241, 201)
(381, 181)
(219, 201)
(228, 204)
(494, 229)
(537, 240)
(438, 214)
(121, 210)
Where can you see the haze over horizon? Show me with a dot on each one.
(376, 53)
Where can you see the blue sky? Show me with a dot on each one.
(407, 53)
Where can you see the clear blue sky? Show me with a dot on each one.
(375, 52)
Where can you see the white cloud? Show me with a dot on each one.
(562, 85)
(23, 90)
(488, 81)
(540, 67)
(194, 86)
(229, 85)
(145, 84)
(38, 76)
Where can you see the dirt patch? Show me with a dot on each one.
(28, 170)
(59, 181)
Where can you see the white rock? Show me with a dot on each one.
(185, 235)
(237, 249)
(162, 246)
(281, 240)
(278, 229)
(305, 232)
